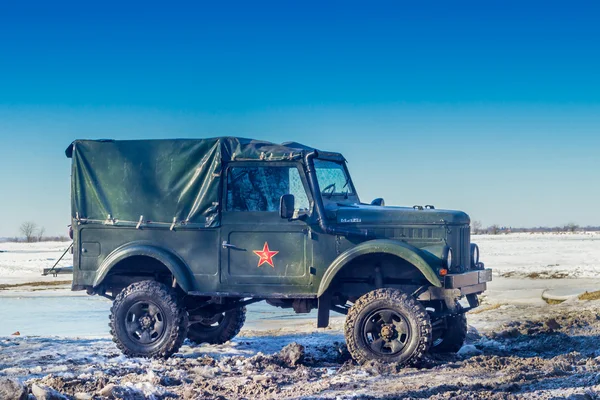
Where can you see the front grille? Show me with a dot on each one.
(463, 246)
(456, 236)
(408, 233)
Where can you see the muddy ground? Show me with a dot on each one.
(513, 351)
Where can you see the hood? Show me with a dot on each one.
(384, 215)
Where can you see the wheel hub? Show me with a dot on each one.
(146, 322)
(387, 332)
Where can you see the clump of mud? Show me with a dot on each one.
(535, 275)
(590, 295)
(259, 376)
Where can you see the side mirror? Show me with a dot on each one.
(378, 202)
(286, 206)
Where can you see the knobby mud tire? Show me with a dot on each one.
(400, 302)
(175, 319)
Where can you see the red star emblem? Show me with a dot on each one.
(265, 255)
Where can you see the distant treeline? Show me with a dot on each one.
(477, 229)
(31, 233)
(37, 239)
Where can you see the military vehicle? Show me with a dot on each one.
(183, 234)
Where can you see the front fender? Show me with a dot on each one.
(402, 250)
(178, 268)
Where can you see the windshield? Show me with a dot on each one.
(333, 178)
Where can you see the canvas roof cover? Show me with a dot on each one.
(160, 182)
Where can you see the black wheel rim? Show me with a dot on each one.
(145, 323)
(386, 332)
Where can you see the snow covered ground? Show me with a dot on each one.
(518, 346)
(24, 262)
(540, 352)
(541, 255)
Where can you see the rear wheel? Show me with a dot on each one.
(147, 320)
(388, 325)
(218, 329)
(452, 337)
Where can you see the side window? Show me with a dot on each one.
(260, 188)
(297, 189)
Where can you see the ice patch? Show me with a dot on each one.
(468, 350)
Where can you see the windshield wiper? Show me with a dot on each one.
(346, 184)
(347, 190)
(326, 188)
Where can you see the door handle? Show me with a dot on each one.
(231, 246)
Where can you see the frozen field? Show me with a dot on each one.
(518, 346)
(548, 255)
(24, 262)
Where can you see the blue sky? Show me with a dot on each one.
(489, 107)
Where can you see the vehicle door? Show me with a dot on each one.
(258, 247)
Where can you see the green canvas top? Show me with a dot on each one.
(168, 182)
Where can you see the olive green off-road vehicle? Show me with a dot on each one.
(183, 234)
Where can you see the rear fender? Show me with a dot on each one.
(411, 254)
(178, 268)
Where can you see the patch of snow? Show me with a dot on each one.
(24, 262)
(541, 255)
(468, 350)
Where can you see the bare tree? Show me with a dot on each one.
(571, 227)
(476, 227)
(40, 234)
(494, 229)
(28, 229)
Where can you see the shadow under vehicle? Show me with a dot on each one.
(182, 234)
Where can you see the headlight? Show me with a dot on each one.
(448, 257)
(474, 255)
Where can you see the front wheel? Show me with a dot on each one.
(147, 320)
(388, 325)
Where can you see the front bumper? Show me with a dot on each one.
(455, 286)
(469, 282)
